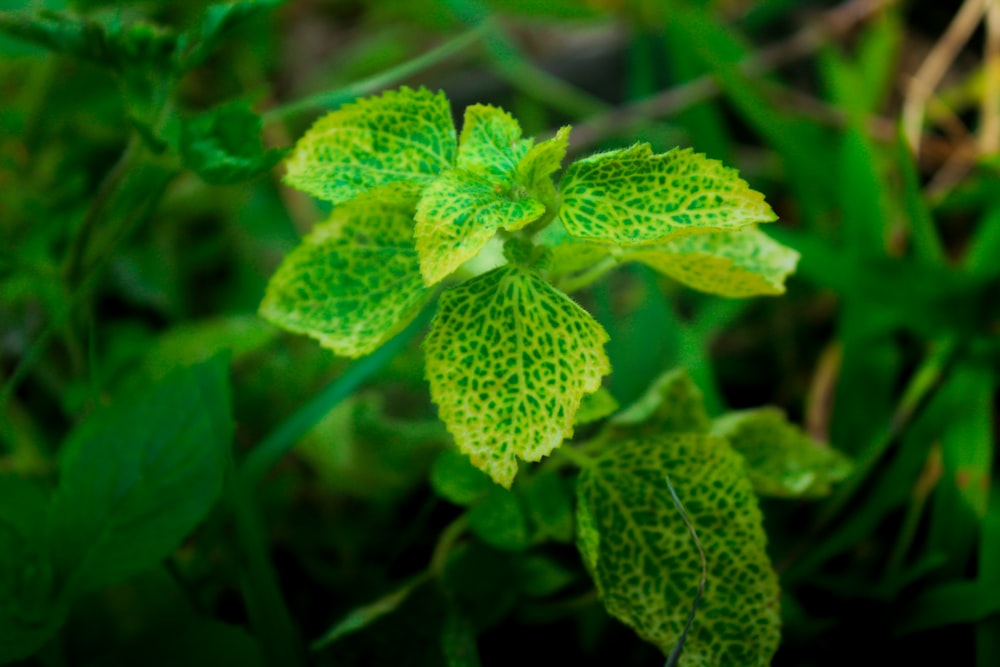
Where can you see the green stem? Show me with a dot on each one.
(574, 456)
(446, 542)
(588, 276)
(276, 445)
(333, 99)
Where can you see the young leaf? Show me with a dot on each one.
(632, 197)
(223, 145)
(355, 280)
(672, 404)
(499, 521)
(782, 460)
(138, 476)
(400, 136)
(456, 480)
(361, 617)
(734, 264)
(535, 169)
(638, 550)
(462, 210)
(509, 359)
(490, 142)
(459, 212)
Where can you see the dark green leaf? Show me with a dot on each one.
(499, 521)
(138, 476)
(219, 20)
(223, 145)
(454, 478)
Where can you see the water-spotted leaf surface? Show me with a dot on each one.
(490, 142)
(672, 404)
(462, 210)
(743, 263)
(137, 476)
(509, 359)
(355, 280)
(456, 480)
(782, 460)
(632, 197)
(403, 135)
(638, 550)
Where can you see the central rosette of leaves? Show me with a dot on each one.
(509, 356)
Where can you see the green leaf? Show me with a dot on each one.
(637, 548)
(401, 136)
(136, 477)
(223, 145)
(456, 480)
(567, 254)
(548, 500)
(218, 21)
(30, 609)
(490, 142)
(672, 404)
(119, 47)
(542, 160)
(734, 264)
(631, 197)
(509, 359)
(541, 576)
(355, 280)
(782, 460)
(459, 212)
(596, 406)
(499, 521)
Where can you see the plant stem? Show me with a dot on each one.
(446, 541)
(335, 98)
(272, 448)
(588, 276)
(574, 456)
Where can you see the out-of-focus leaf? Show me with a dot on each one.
(498, 519)
(218, 21)
(138, 476)
(596, 406)
(548, 501)
(672, 404)
(223, 145)
(454, 478)
(189, 344)
(781, 459)
(361, 617)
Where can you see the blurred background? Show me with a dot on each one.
(872, 127)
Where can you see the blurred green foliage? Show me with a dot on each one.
(122, 259)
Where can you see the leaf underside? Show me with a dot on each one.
(509, 359)
(645, 565)
(355, 281)
(400, 136)
(632, 197)
(782, 460)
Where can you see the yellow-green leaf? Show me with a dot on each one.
(490, 142)
(632, 197)
(403, 135)
(459, 212)
(596, 406)
(535, 169)
(509, 359)
(734, 264)
(355, 280)
(642, 558)
(782, 460)
(569, 255)
(672, 404)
